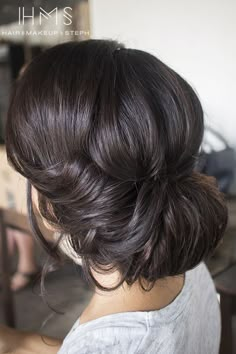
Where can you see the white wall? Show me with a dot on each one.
(196, 38)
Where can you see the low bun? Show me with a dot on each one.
(191, 216)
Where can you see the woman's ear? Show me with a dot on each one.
(34, 194)
(36, 208)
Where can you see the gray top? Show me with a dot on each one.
(189, 325)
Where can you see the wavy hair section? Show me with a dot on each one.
(109, 137)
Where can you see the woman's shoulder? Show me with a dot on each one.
(127, 330)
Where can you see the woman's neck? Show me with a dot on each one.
(134, 298)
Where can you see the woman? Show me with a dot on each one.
(108, 138)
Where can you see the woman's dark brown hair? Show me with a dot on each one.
(109, 137)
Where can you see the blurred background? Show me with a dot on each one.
(195, 38)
